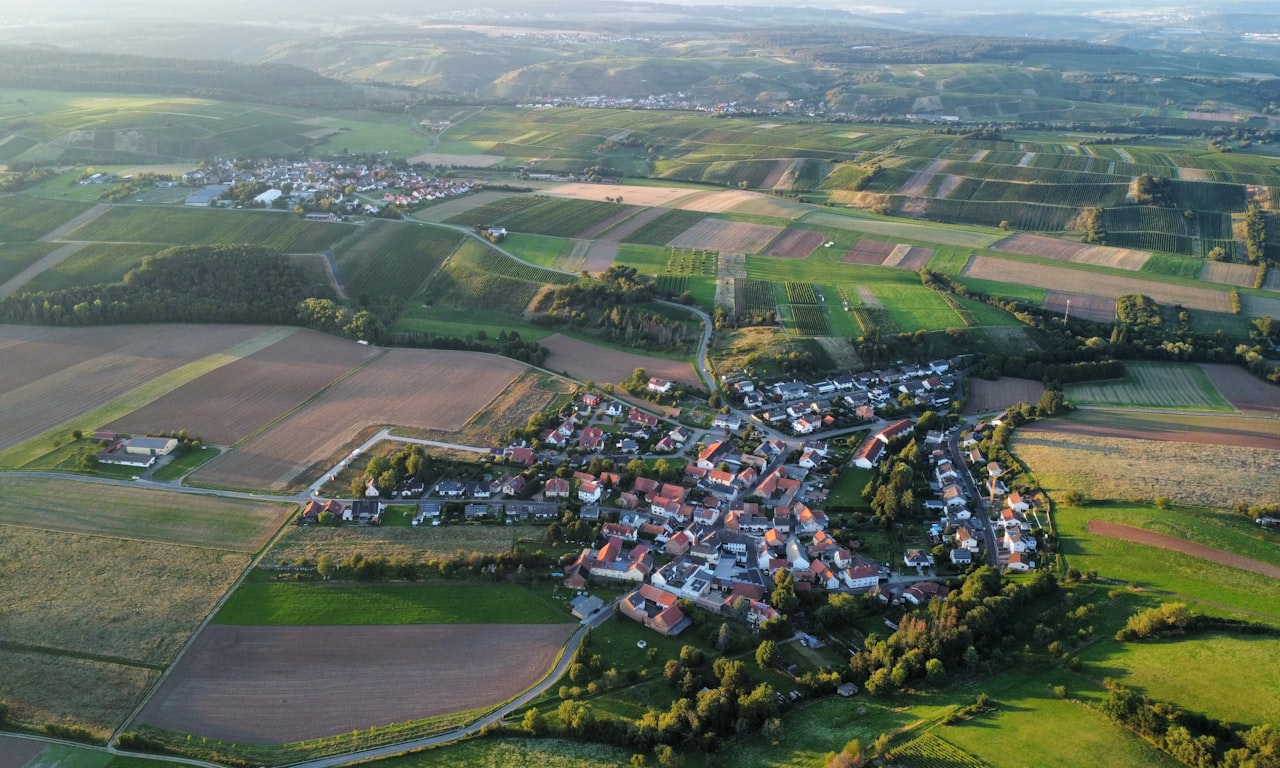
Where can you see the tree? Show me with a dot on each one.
(724, 637)
(534, 722)
(767, 654)
(783, 597)
(325, 566)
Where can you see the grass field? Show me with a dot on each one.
(67, 756)
(24, 218)
(542, 250)
(263, 603)
(506, 752)
(463, 323)
(416, 544)
(195, 226)
(93, 264)
(1153, 385)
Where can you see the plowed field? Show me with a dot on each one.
(229, 404)
(795, 243)
(1098, 308)
(734, 236)
(585, 360)
(426, 389)
(272, 685)
(869, 252)
(1244, 390)
(986, 396)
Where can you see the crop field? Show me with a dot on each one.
(145, 514)
(800, 293)
(1166, 242)
(1243, 390)
(1036, 217)
(1096, 283)
(227, 405)
(93, 264)
(196, 226)
(229, 686)
(795, 243)
(61, 374)
(872, 252)
(1173, 265)
(1248, 431)
(492, 213)
(805, 319)
(646, 196)
(1240, 275)
(586, 361)
(898, 229)
(1180, 545)
(619, 215)
(665, 228)
(560, 217)
(913, 258)
(1153, 385)
(727, 236)
(24, 218)
(506, 751)
(1039, 245)
(441, 212)
(1133, 468)
(413, 544)
(16, 257)
(987, 396)
(1098, 308)
(753, 296)
(394, 258)
(426, 389)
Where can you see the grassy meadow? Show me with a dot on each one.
(1153, 385)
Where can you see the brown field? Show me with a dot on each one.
(586, 361)
(919, 181)
(62, 373)
(605, 249)
(1105, 256)
(529, 393)
(1241, 275)
(16, 752)
(1242, 389)
(775, 176)
(231, 403)
(272, 685)
(460, 161)
(145, 598)
(1191, 174)
(987, 396)
(773, 207)
(1127, 468)
(642, 196)
(869, 252)
(1097, 308)
(1175, 544)
(795, 243)
(422, 388)
(909, 257)
(1203, 429)
(623, 213)
(452, 207)
(96, 695)
(716, 202)
(1096, 283)
(732, 236)
(1038, 245)
(1272, 281)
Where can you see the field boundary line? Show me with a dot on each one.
(139, 539)
(9, 645)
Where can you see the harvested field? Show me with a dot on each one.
(1242, 389)
(1241, 275)
(909, 257)
(773, 207)
(412, 544)
(641, 196)
(232, 682)
(717, 202)
(727, 236)
(1272, 281)
(779, 169)
(459, 205)
(16, 752)
(145, 599)
(43, 688)
(1182, 546)
(869, 252)
(1096, 283)
(795, 243)
(530, 393)
(63, 373)
(584, 360)
(1127, 468)
(605, 249)
(1203, 429)
(987, 396)
(231, 403)
(1097, 308)
(1038, 245)
(427, 389)
(142, 513)
(1118, 258)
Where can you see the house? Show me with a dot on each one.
(639, 417)
(625, 532)
(590, 491)
(150, 446)
(591, 400)
(610, 562)
(916, 558)
(810, 459)
(727, 421)
(924, 591)
(1018, 563)
(665, 445)
(965, 539)
(861, 573)
(661, 386)
(655, 609)
(591, 439)
(868, 454)
(961, 557)
(1017, 502)
(713, 454)
(1015, 541)
(806, 425)
(894, 431)
(556, 488)
(514, 486)
(524, 456)
(614, 409)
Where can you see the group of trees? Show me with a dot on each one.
(506, 343)
(387, 472)
(329, 316)
(518, 564)
(607, 308)
(1255, 234)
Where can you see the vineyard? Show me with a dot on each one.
(695, 261)
(1078, 195)
(672, 285)
(480, 256)
(809, 320)
(754, 296)
(394, 259)
(563, 217)
(930, 751)
(874, 321)
(665, 228)
(203, 226)
(1151, 241)
(1027, 216)
(1143, 218)
(466, 287)
(493, 213)
(801, 293)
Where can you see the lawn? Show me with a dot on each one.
(138, 513)
(181, 465)
(1153, 385)
(263, 603)
(847, 490)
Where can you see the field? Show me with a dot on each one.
(145, 514)
(233, 682)
(1131, 468)
(1181, 546)
(194, 226)
(987, 396)
(665, 228)
(1243, 390)
(1099, 308)
(1241, 275)
(427, 389)
(1153, 385)
(795, 243)
(93, 264)
(1204, 428)
(1096, 283)
(867, 251)
(24, 218)
(586, 361)
(55, 688)
(632, 194)
(52, 376)
(227, 405)
(393, 258)
(508, 752)
(16, 257)
(413, 544)
(727, 236)
(560, 217)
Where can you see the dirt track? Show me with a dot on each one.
(1152, 539)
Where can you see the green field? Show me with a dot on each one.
(67, 756)
(15, 257)
(185, 463)
(194, 226)
(24, 218)
(139, 513)
(500, 753)
(392, 258)
(1153, 385)
(262, 603)
(94, 264)
(542, 250)
(461, 323)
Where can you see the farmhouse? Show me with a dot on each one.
(610, 562)
(655, 609)
(661, 386)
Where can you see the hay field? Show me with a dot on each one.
(1241, 275)
(53, 378)
(1152, 385)
(717, 202)
(1127, 468)
(142, 513)
(41, 688)
(587, 361)
(232, 683)
(421, 388)
(229, 404)
(1095, 283)
(731, 236)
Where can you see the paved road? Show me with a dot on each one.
(979, 511)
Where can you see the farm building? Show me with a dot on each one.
(655, 609)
